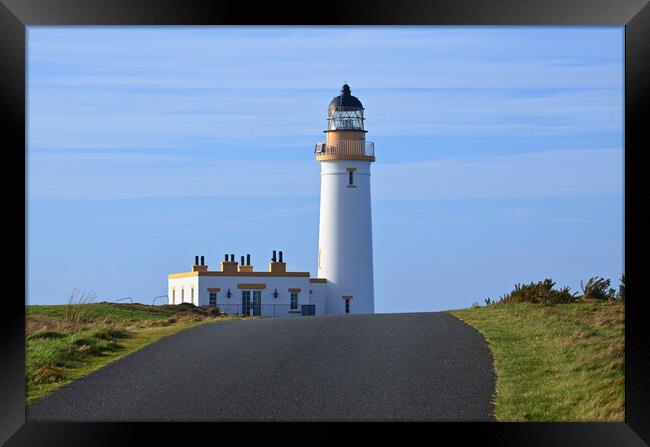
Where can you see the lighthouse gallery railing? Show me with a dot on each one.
(361, 147)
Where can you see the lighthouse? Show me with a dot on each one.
(345, 231)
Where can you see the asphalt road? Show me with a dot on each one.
(418, 366)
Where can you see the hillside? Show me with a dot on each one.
(562, 362)
(66, 342)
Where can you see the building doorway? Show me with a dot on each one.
(257, 303)
(255, 306)
(347, 299)
(246, 302)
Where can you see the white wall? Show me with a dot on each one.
(271, 306)
(186, 284)
(345, 237)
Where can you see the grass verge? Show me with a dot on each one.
(561, 362)
(59, 350)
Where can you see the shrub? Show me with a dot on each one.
(597, 288)
(621, 289)
(542, 292)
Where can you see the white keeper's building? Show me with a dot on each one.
(345, 270)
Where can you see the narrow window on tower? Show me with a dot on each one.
(351, 177)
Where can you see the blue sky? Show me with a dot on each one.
(499, 154)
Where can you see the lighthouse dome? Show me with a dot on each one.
(345, 100)
(345, 112)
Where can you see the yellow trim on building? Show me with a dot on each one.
(345, 157)
(351, 169)
(347, 297)
(277, 267)
(251, 286)
(246, 268)
(190, 274)
(294, 290)
(318, 280)
(214, 289)
(229, 267)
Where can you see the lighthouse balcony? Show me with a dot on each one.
(345, 150)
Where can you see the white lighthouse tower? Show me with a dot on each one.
(345, 233)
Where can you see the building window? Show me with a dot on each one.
(351, 178)
(347, 306)
(294, 300)
(182, 295)
(213, 298)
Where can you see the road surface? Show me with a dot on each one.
(414, 366)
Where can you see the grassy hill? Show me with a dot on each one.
(555, 362)
(67, 342)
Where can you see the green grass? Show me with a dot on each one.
(561, 362)
(97, 311)
(59, 351)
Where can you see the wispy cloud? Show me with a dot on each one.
(537, 174)
(111, 88)
(566, 173)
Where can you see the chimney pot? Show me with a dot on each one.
(196, 260)
(274, 258)
(248, 259)
(202, 260)
(232, 257)
(280, 255)
(242, 261)
(226, 258)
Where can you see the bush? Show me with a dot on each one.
(597, 288)
(621, 289)
(541, 292)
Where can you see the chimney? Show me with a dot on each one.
(277, 266)
(229, 266)
(199, 267)
(246, 266)
(202, 260)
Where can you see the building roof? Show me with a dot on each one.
(345, 100)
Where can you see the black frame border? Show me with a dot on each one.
(16, 15)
